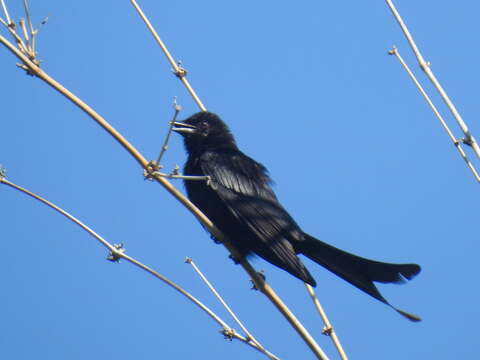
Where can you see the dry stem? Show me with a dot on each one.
(35, 70)
(177, 70)
(30, 64)
(328, 329)
(425, 66)
(117, 252)
(5, 11)
(455, 141)
(225, 305)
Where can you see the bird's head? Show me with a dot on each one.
(205, 131)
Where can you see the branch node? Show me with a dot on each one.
(115, 255)
(176, 106)
(393, 50)
(150, 169)
(179, 71)
(327, 330)
(188, 260)
(228, 334)
(467, 140)
(424, 65)
(3, 172)
(28, 71)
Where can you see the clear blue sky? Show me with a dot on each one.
(309, 91)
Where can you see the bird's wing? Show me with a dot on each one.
(243, 186)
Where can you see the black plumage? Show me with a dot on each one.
(240, 202)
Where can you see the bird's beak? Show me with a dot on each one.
(183, 128)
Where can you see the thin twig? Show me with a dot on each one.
(258, 281)
(328, 329)
(177, 70)
(425, 66)
(25, 32)
(27, 14)
(170, 129)
(225, 305)
(183, 177)
(452, 137)
(5, 11)
(33, 32)
(17, 38)
(118, 252)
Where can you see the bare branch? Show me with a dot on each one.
(5, 11)
(230, 311)
(178, 108)
(328, 329)
(25, 33)
(26, 44)
(425, 66)
(258, 281)
(118, 252)
(27, 14)
(455, 141)
(177, 70)
(33, 32)
(21, 45)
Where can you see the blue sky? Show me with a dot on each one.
(309, 90)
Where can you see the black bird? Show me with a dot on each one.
(240, 202)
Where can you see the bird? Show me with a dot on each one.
(238, 198)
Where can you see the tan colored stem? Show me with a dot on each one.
(328, 329)
(5, 11)
(425, 66)
(119, 254)
(226, 306)
(181, 74)
(258, 281)
(429, 101)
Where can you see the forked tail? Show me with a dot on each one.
(359, 271)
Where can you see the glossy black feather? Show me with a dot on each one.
(241, 203)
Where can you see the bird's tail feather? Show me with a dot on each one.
(359, 271)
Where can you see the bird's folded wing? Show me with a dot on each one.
(243, 186)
